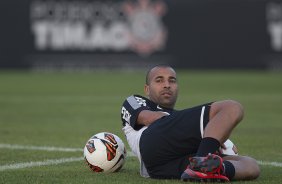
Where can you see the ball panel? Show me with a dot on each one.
(111, 138)
(110, 149)
(93, 167)
(118, 164)
(90, 146)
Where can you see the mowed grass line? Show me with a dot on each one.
(65, 109)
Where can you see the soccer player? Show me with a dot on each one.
(182, 144)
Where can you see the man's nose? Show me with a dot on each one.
(166, 84)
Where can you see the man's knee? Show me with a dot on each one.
(236, 109)
(254, 170)
(231, 107)
(248, 168)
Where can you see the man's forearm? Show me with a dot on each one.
(147, 117)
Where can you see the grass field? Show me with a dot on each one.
(43, 114)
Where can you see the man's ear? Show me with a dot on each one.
(146, 90)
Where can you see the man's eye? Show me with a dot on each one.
(172, 80)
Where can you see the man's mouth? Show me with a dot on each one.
(166, 93)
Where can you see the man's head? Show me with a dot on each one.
(161, 85)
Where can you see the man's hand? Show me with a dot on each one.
(223, 146)
(147, 117)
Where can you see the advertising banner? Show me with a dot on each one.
(86, 35)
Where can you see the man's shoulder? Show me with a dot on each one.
(136, 101)
(137, 96)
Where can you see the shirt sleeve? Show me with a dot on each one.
(130, 110)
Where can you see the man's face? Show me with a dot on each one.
(162, 86)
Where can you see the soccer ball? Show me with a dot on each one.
(230, 148)
(105, 152)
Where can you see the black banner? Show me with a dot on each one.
(85, 35)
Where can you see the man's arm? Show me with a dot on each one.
(147, 117)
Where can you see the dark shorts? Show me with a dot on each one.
(166, 145)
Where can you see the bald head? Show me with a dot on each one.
(153, 69)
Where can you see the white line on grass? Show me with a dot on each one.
(274, 164)
(46, 148)
(42, 148)
(66, 160)
(40, 163)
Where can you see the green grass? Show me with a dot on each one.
(65, 109)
